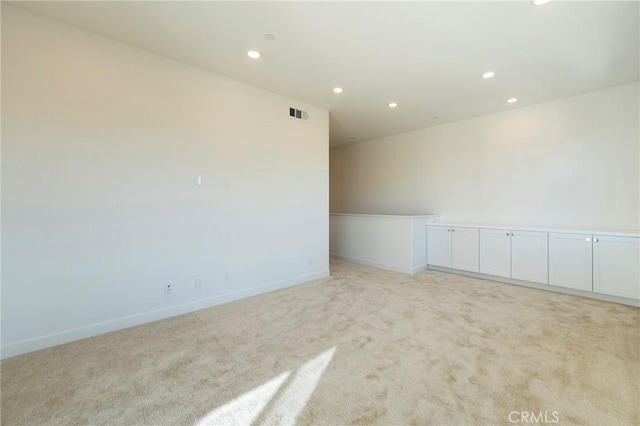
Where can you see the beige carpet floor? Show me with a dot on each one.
(364, 346)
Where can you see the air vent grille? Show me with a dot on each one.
(298, 114)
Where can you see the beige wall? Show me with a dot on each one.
(572, 163)
(102, 143)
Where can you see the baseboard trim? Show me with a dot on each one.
(380, 265)
(546, 287)
(418, 269)
(67, 336)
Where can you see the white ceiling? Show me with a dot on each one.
(427, 56)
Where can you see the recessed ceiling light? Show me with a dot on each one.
(512, 100)
(338, 90)
(539, 2)
(392, 105)
(269, 36)
(253, 54)
(488, 74)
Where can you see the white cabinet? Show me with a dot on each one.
(464, 249)
(602, 264)
(439, 246)
(570, 261)
(514, 254)
(495, 252)
(616, 266)
(530, 256)
(453, 247)
(607, 264)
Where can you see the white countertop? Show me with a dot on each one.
(555, 230)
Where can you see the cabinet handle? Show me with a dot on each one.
(596, 240)
(508, 234)
(588, 239)
(453, 230)
(512, 234)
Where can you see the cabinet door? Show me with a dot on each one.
(495, 252)
(529, 256)
(439, 246)
(570, 260)
(616, 266)
(464, 249)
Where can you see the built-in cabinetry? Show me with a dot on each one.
(616, 266)
(453, 247)
(598, 263)
(495, 257)
(571, 261)
(521, 255)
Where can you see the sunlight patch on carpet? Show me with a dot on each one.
(295, 396)
(246, 408)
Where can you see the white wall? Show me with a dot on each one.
(101, 146)
(571, 163)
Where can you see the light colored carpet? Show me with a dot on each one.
(363, 346)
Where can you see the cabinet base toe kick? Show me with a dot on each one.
(546, 287)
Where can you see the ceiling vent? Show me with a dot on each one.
(298, 114)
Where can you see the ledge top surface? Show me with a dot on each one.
(389, 216)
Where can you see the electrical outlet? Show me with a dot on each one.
(227, 278)
(168, 288)
(197, 283)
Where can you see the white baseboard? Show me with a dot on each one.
(387, 266)
(47, 341)
(418, 269)
(546, 287)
